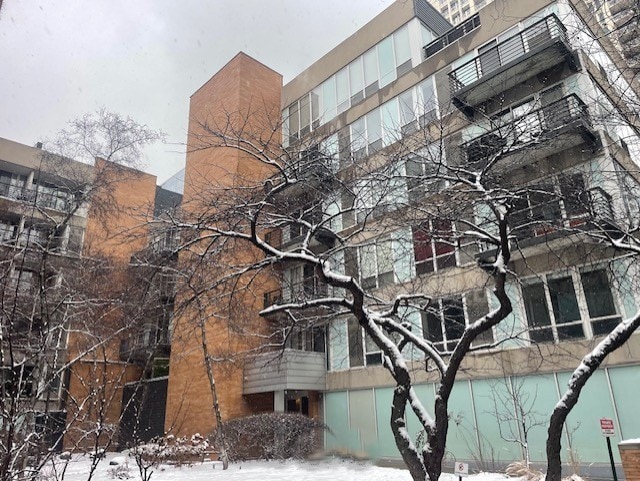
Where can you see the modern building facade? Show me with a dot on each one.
(525, 85)
(70, 341)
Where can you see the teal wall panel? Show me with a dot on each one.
(496, 422)
(625, 384)
(538, 395)
(362, 418)
(386, 446)
(339, 435)
(461, 436)
(583, 423)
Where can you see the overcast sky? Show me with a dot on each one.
(62, 58)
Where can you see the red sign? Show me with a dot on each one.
(607, 428)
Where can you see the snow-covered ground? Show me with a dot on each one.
(323, 470)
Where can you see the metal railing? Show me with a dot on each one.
(311, 288)
(545, 216)
(50, 200)
(451, 36)
(543, 32)
(531, 127)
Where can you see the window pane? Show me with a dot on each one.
(407, 108)
(402, 50)
(374, 126)
(358, 138)
(342, 89)
(329, 104)
(386, 62)
(422, 245)
(454, 323)
(370, 61)
(563, 300)
(574, 194)
(294, 120)
(315, 107)
(429, 102)
(390, 121)
(598, 293)
(432, 324)
(356, 81)
(368, 261)
(356, 355)
(385, 257)
(305, 115)
(535, 305)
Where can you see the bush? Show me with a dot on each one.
(271, 436)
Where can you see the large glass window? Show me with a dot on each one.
(443, 322)
(434, 246)
(602, 309)
(329, 105)
(356, 81)
(386, 62)
(376, 264)
(370, 61)
(342, 90)
(555, 311)
(402, 50)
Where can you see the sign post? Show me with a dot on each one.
(608, 430)
(461, 469)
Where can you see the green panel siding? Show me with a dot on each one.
(492, 401)
(461, 422)
(386, 446)
(339, 436)
(542, 398)
(426, 394)
(338, 346)
(625, 384)
(583, 423)
(362, 420)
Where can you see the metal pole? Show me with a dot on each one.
(613, 466)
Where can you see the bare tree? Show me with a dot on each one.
(61, 314)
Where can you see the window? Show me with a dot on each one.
(356, 81)
(311, 339)
(386, 62)
(600, 304)
(381, 192)
(402, 50)
(376, 264)
(443, 322)
(354, 334)
(11, 185)
(434, 247)
(407, 112)
(421, 170)
(555, 312)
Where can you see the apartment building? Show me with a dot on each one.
(71, 236)
(523, 88)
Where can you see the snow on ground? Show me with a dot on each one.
(323, 470)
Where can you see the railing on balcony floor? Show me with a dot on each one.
(541, 33)
(538, 125)
(311, 288)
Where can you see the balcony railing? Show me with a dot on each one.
(311, 288)
(547, 219)
(50, 200)
(540, 125)
(506, 54)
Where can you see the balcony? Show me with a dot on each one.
(310, 168)
(546, 218)
(152, 342)
(535, 135)
(290, 369)
(308, 289)
(510, 62)
(44, 196)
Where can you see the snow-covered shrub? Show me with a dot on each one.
(170, 450)
(271, 436)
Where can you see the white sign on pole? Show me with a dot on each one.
(607, 428)
(461, 469)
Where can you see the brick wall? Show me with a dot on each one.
(630, 454)
(243, 97)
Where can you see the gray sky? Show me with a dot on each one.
(62, 58)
